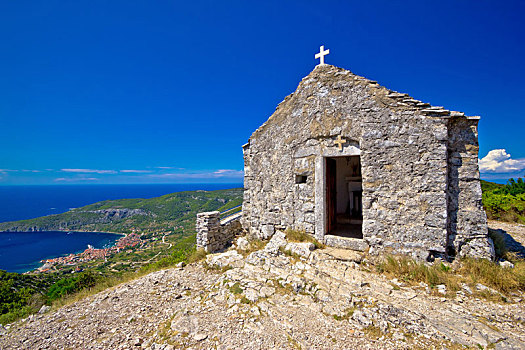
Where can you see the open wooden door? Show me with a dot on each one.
(330, 194)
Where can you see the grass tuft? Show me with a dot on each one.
(373, 332)
(346, 315)
(245, 300)
(302, 236)
(236, 288)
(413, 272)
(197, 255)
(217, 268)
(101, 285)
(490, 274)
(288, 253)
(255, 245)
(469, 271)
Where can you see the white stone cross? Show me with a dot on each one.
(339, 142)
(321, 54)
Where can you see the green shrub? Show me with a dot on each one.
(19, 296)
(16, 314)
(71, 285)
(505, 202)
(12, 298)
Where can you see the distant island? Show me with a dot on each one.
(169, 214)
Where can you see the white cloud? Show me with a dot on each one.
(221, 173)
(176, 175)
(499, 161)
(71, 179)
(169, 167)
(21, 170)
(229, 173)
(97, 171)
(135, 171)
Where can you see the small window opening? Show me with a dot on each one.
(300, 179)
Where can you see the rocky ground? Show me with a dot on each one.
(284, 296)
(514, 235)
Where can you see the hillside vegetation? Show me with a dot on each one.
(20, 294)
(166, 213)
(173, 214)
(505, 202)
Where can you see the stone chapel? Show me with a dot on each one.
(360, 166)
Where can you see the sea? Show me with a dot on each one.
(21, 252)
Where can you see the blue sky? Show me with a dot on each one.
(168, 91)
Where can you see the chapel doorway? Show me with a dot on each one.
(344, 197)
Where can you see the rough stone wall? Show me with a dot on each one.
(468, 234)
(403, 144)
(213, 236)
(404, 183)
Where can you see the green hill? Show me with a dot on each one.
(167, 213)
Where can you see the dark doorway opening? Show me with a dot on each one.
(344, 197)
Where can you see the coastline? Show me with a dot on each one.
(89, 254)
(45, 255)
(113, 233)
(76, 230)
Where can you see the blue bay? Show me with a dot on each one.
(22, 251)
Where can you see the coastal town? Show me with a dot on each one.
(129, 241)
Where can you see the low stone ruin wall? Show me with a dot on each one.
(212, 235)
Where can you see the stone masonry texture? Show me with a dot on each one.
(421, 190)
(212, 235)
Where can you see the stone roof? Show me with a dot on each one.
(336, 77)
